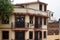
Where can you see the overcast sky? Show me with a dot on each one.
(53, 5)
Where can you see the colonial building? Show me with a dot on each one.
(27, 22)
(54, 30)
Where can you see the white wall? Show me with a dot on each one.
(33, 6)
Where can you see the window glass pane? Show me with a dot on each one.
(20, 21)
(5, 35)
(36, 35)
(36, 21)
(40, 7)
(30, 35)
(44, 21)
(31, 19)
(44, 7)
(44, 34)
(40, 20)
(40, 34)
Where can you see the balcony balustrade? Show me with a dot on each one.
(25, 25)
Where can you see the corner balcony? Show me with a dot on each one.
(30, 11)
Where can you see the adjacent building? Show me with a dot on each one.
(51, 16)
(27, 22)
(54, 30)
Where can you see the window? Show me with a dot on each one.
(44, 7)
(40, 7)
(40, 34)
(52, 14)
(40, 20)
(5, 20)
(44, 34)
(31, 19)
(30, 35)
(36, 35)
(44, 21)
(5, 35)
(36, 21)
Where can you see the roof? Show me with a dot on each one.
(31, 3)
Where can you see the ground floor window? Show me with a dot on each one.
(36, 35)
(30, 35)
(40, 34)
(44, 34)
(5, 34)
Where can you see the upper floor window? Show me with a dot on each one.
(40, 20)
(45, 8)
(20, 18)
(44, 21)
(20, 21)
(40, 25)
(44, 34)
(52, 14)
(36, 21)
(40, 7)
(31, 19)
(5, 20)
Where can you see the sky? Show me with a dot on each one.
(53, 5)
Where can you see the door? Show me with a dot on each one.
(20, 35)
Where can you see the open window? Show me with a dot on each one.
(20, 21)
(5, 20)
